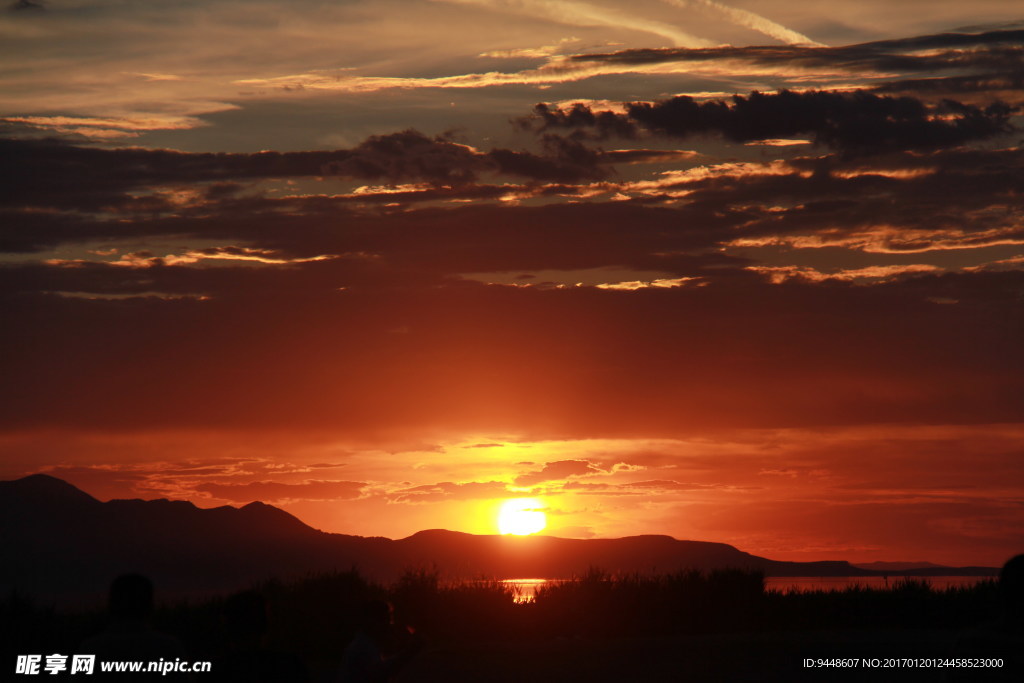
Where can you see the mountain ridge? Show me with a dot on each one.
(65, 543)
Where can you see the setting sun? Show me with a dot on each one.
(521, 516)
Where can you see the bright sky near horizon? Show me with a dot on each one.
(749, 271)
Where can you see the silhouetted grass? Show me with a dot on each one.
(314, 616)
(909, 603)
(683, 602)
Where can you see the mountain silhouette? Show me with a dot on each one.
(897, 566)
(63, 544)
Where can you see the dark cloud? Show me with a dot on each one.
(566, 161)
(580, 116)
(393, 329)
(380, 247)
(893, 202)
(26, 6)
(58, 175)
(929, 72)
(1007, 85)
(410, 155)
(856, 122)
(647, 156)
(914, 202)
(987, 50)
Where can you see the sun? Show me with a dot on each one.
(521, 516)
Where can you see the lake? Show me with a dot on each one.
(526, 589)
(804, 584)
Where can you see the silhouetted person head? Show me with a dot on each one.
(375, 616)
(245, 615)
(379, 649)
(1011, 589)
(129, 636)
(131, 597)
(247, 658)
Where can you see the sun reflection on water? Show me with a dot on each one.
(525, 589)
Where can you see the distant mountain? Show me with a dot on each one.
(897, 566)
(61, 543)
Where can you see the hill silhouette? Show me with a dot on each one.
(62, 543)
(897, 566)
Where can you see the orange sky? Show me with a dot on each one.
(860, 493)
(747, 272)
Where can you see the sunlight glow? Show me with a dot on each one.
(521, 516)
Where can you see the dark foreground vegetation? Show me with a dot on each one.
(720, 625)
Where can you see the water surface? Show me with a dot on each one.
(804, 584)
(526, 589)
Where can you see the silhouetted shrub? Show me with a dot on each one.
(315, 616)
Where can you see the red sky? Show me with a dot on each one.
(746, 272)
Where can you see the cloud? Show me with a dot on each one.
(146, 475)
(668, 485)
(532, 52)
(695, 223)
(446, 490)
(749, 20)
(26, 6)
(147, 259)
(653, 487)
(994, 54)
(576, 13)
(410, 155)
(560, 469)
(781, 492)
(575, 531)
(414, 282)
(569, 365)
(56, 174)
(993, 50)
(1003, 86)
(640, 284)
(783, 273)
(276, 491)
(107, 128)
(1012, 263)
(851, 122)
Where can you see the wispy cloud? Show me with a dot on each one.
(107, 128)
(531, 52)
(274, 491)
(800, 65)
(780, 274)
(748, 19)
(576, 13)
